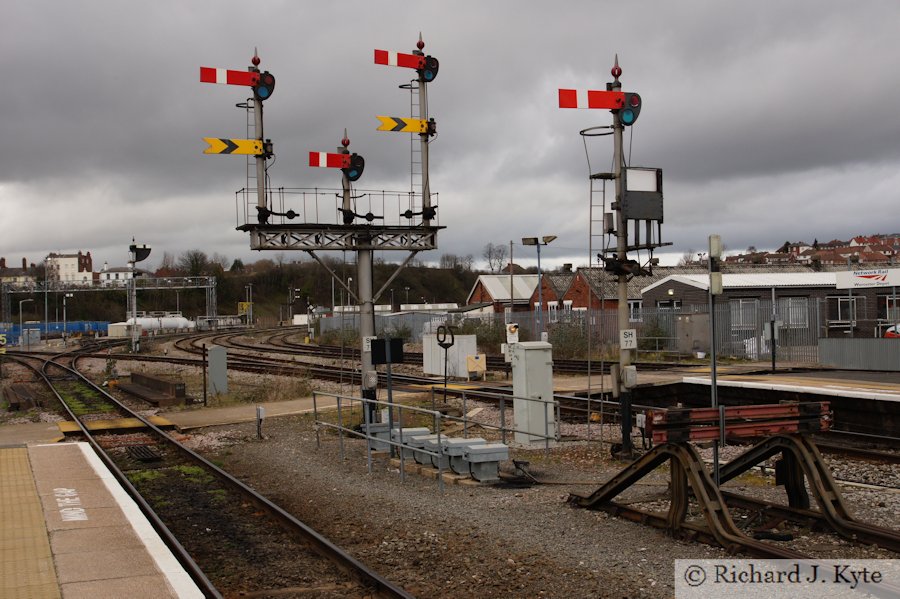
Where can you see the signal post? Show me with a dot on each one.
(636, 203)
(352, 231)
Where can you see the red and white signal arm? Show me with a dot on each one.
(399, 59)
(329, 160)
(228, 76)
(596, 99)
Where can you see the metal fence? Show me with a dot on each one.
(408, 325)
(743, 330)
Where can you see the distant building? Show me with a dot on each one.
(504, 292)
(71, 269)
(117, 276)
(15, 276)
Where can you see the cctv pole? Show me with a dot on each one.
(621, 248)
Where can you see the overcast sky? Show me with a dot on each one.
(771, 120)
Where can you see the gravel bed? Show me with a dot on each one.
(491, 540)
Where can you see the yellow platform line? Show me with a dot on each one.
(26, 562)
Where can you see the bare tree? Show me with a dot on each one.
(167, 262)
(495, 255)
(687, 258)
(456, 262)
(193, 263)
(219, 260)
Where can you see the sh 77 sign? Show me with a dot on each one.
(628, 339)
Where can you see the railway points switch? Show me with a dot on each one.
(484, 460)
(455, 448)
(403, 435)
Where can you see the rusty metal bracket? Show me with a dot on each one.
(687, 471)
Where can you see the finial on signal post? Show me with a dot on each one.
(255, 59)
(346, 140)
(616, 71)
(420, 44)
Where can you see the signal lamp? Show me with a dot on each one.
(355, 170)
(264, 87)
(628, 114)
(430, 70)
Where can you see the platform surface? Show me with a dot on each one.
(842, 384)
(67, 529)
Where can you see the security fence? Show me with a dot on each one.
(743, 330)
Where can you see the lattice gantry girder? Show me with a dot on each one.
(304, 238)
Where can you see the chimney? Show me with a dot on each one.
(24, 264)
(2, 262)
(567, 267)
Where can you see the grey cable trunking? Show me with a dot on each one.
(417, 443)
(455, 448)
(484, 460)
(441, 460)
(403, 436)
(378, 430)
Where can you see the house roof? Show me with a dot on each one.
(605, 284)
(751, 280)
(471, 307)
(560, 282)
(497, 286)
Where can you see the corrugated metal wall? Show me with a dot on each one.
(860, 354)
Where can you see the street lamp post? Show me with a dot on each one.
(65, 320)
(22, 330)
(349, 299)
(46, 289)
(545, 240)
(249, 289)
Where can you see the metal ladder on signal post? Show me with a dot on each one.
(249, 200)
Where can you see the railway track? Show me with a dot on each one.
(256, 355)
(264, 364)
(228, 537)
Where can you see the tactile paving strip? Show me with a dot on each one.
(26, 563)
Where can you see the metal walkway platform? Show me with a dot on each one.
(67, 529)
(115, 425)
